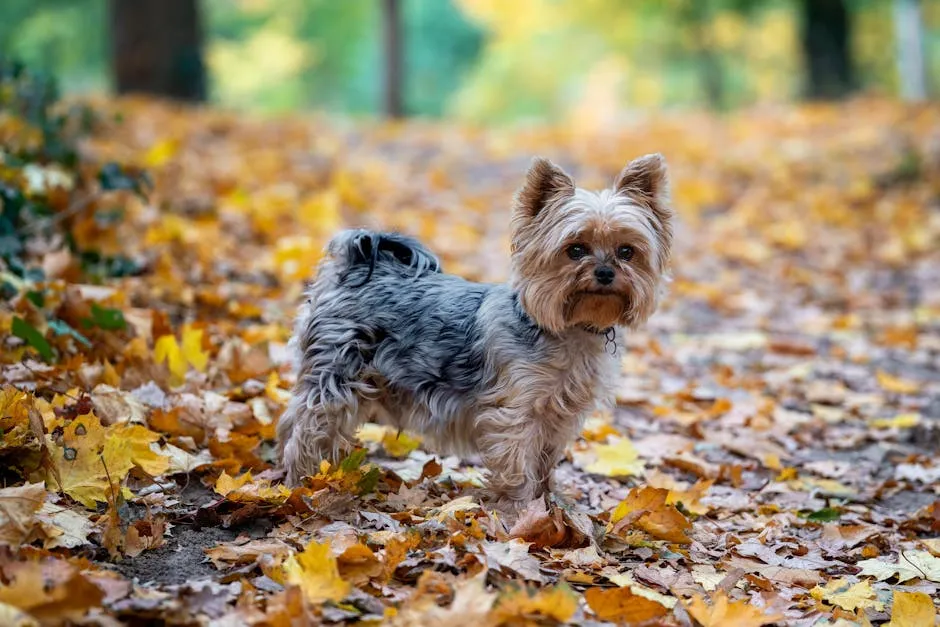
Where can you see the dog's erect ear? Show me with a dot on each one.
(647, 181)
(646, 176)
(544, 182)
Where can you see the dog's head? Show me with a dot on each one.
(591, 259)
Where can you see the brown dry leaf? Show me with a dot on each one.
(144, 535)
(358, 564)
(536, 526)
(18, 507)
(621, 606)
(723, 612)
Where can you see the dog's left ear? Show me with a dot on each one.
(646, 176)
(647, 180)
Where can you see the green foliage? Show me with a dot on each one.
(46, 189)
(43, 184)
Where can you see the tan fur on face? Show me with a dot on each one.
(550, 214)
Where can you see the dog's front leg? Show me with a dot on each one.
(514, 454)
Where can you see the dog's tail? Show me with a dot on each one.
(360, 253)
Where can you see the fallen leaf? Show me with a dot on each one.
(514, 556)
(723, 612)
(910, 565)
(646, 509)
(523, 607)
(316, 573)
(537, 526)
(620, 605)
(912, 609)
(18, 507)
(619, 458)
(848, 595)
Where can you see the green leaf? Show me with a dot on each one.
(353, 461)
(368, 481)
(36, 297)
(32, 337)
(826, 514)
(106, 318)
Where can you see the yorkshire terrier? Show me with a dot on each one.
(505, 371)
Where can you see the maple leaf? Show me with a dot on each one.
(912, 609)
(620, 605)
(78, 461)
(18, 507)
(316, 573)
(723, 612)
(90, 459)
(619, 458)
(848, 595)
(646, 508)
(127, 446)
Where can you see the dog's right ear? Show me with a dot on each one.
(545, 182)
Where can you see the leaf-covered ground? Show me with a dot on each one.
(773, 457)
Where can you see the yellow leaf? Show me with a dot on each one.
(462, 504)
(316, 573)
(160, 153)
(848, 596)
(245, 490)
(912, 609)
(77, 457)
(129, 445)
(617, 459)
(87, 456)
(622, 606)
(890, 383)
(166, 349)
(192, 349)
(724, 612)
(901, 421)
(522, 606)
(399, 444)
(226, 484)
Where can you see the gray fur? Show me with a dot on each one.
(403, 344)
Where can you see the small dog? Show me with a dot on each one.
(504, 371)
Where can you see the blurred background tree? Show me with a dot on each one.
(482, 60)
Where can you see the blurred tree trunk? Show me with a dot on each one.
(392, 70)
(908, 36)
(156, 48)
(826, 39)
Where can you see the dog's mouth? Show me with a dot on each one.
(599, 292)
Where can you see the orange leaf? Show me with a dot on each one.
(622, 606)
(723, 612)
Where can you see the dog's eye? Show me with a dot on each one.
(625, 253)
(577, 251)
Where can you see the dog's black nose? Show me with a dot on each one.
(604, 275)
